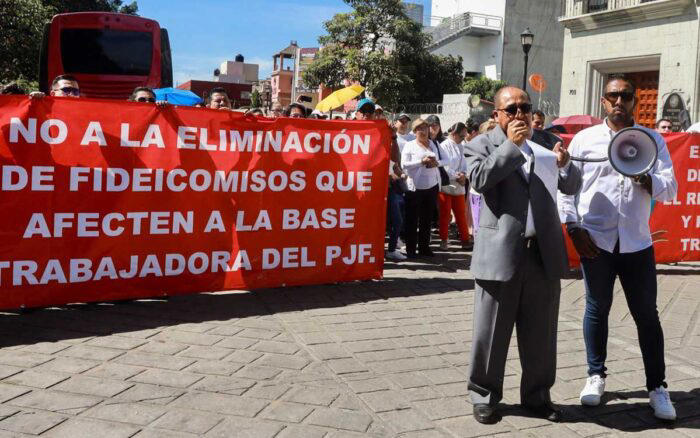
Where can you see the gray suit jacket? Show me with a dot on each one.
(494, 169)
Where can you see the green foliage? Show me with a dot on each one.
(62, 6)
(484, 87)
(20, 38)
(255, 99)
(379, 47)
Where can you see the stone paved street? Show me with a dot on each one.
(376, 359)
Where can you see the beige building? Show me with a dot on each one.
(652, 42)
(237, 72)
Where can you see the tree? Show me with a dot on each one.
(20, 38)
(255, 99)
(379, 47)
(484, 87)
(62, 6)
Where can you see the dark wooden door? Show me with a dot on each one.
(647, 83)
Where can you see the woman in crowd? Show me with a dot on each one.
(436, 134)
(419, 160)
(452, 195)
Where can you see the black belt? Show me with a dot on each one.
(531, 242)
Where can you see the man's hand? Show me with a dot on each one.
(562, 154)
(518, 131)
(36, 95)
(583, 243)
(644, 181)
(162, 103)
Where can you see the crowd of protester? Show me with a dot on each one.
(429, 192)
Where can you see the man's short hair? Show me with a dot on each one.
(137, 89)
(538, 113)
(219, 90)
(302, 108)
(619, 77)
(63, 78)
(13, 88)
(472, 125)
(658, 122)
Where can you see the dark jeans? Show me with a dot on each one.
(637, 272)
(395, 212)
(419, 213)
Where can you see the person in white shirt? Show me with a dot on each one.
(419, 160)
(608, 222)
(452, 195)
(403, 130)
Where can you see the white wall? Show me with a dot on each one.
(673, 41)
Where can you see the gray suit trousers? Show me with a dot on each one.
(530, 301)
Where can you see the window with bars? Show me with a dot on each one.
(597, 5)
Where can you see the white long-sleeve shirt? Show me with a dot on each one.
(610, 206)
(418, 176)
(452, 160)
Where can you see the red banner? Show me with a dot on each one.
(675, 225)
(107, 200)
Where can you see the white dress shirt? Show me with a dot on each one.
(452, 160)
(418, 176)
(402, 139)
(530, 223)
(610, 206)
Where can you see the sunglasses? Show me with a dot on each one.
(72, 91)
(146, 99)
(512, 109)
(612, 96)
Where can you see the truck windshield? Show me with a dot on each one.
(106, 51)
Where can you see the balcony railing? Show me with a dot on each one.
(468, 23)
(590, 14)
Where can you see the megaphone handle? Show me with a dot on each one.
(590, 160)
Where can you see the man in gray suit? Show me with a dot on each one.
(519, 256)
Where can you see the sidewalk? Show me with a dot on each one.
(369, 359)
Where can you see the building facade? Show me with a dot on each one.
(486, 34)
(237, 71)
(282, 77)
(652, 42)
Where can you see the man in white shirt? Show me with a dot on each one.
(608, 222)
(403, 130)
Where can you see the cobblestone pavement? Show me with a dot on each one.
(376, 359)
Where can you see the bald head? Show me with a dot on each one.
(512, 105)
(508, 91)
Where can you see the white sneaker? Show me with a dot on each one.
(395, 255)
(660, 401)
(399, 243)
(444, 245)
(594, 389)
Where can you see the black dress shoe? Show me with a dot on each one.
(547, 411)
(426, 252)
(486, 414)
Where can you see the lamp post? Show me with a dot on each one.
(526, 39)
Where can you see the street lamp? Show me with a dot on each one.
(526, 39)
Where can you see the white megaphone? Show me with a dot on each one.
(632, 152)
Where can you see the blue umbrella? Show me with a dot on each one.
(177, 96)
